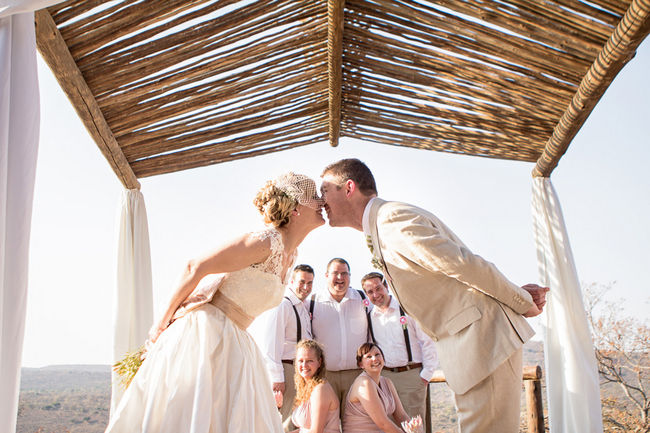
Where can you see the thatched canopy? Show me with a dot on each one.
(169, 85)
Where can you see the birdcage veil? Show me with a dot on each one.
(299, 187)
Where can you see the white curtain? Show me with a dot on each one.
(133, 307)
(572, 383)
(19, 128)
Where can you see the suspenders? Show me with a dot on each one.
(312, 302)
(407, 339)
(298, 326)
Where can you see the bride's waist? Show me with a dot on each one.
(232, 310)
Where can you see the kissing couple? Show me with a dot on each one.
(203, 372)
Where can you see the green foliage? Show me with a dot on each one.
(129, 366)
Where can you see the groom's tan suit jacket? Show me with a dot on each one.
(461, 300)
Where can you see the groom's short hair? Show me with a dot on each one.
(353, 169)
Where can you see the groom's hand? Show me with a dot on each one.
(539, 298)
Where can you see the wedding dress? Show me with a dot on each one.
(205, 373)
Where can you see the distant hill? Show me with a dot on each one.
(76, 398)
(64, 398)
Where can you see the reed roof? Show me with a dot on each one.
(168, 85)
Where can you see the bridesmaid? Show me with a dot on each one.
(316, 407)
(372, 404)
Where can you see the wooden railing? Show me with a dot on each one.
(533, 389)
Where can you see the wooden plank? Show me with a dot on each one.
(335, 25)
(55, 52)
(619, 49)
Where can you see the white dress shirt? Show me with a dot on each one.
(341, 327)
(389, 335)
(275, 333)
(365, 219)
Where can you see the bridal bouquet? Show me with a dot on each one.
(128, 366)
(414, 425)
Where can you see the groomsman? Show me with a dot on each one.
(339, 323)
(277, 332)
(409, 354)
(462, 301)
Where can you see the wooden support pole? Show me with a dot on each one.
(334, 66)
(55, 52)
(618, 50)
(534, 406)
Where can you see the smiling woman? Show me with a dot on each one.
(316, 407)
(372, 405)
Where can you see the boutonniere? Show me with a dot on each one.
(366, 303)
(402, 320)
(376, 261)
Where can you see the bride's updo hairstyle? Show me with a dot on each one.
(274, 204)
(279, 197)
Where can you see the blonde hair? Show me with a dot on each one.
(274, 204)
(305, 387)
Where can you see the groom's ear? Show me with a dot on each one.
(350, 186)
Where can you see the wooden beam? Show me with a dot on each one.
(618, 50)
(55, 52)
(334, 66)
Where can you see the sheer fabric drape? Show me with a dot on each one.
(572, 381)
(19, 129)
(133, 305)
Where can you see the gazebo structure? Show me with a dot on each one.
(167, 86)
(164, 86)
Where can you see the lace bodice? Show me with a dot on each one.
(259, 287)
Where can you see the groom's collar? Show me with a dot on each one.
(365, 221)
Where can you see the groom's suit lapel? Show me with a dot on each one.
(372, 221)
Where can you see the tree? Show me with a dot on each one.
(623, 355)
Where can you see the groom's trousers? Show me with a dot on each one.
(493, 405)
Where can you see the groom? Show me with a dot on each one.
(475, 315)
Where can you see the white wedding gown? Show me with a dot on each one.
(204, 374)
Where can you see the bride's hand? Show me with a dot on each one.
(157, 329)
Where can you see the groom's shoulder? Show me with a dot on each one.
(391, 207)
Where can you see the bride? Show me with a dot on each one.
(203, 373)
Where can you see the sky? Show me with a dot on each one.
(601, 182)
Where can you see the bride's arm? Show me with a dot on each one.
(237, 254)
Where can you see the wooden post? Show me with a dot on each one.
(534, 406)
(618, 50)
(335, 26)
(56, 54)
